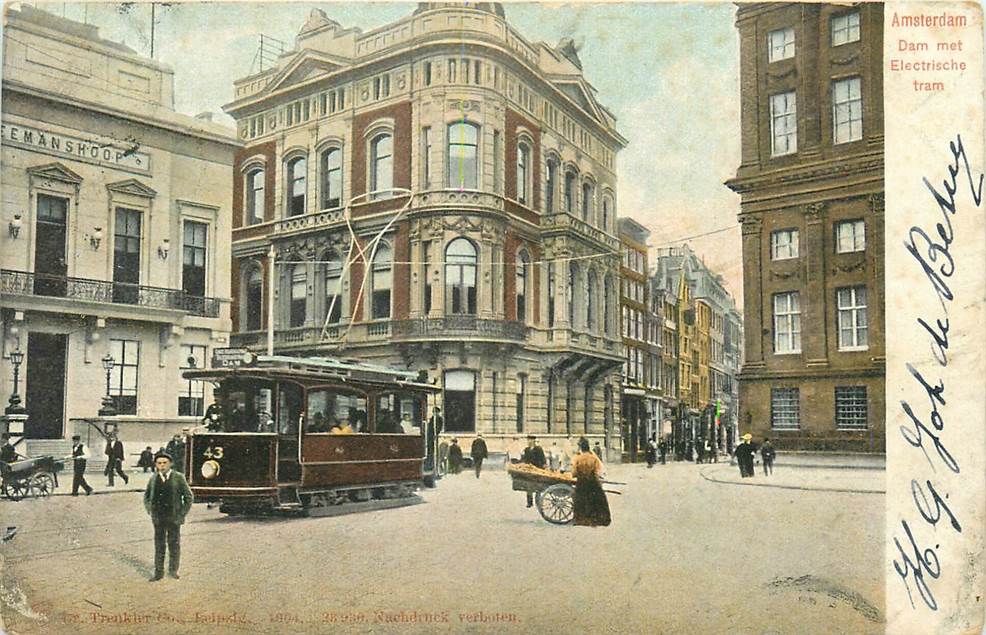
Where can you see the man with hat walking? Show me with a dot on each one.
(478, 452)
(167, 500)
(114, 459)
(533, 455)
(80, 453)
(744, 456)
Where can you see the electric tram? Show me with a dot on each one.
(308, 433)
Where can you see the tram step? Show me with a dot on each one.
(366, 506)
(286, 506)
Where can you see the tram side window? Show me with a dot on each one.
(249, 407)
(336, 412)
(289, 408)
(398, 413)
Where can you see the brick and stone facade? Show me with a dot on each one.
(485, 166)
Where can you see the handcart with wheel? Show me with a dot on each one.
(37, 477)
(554, 492)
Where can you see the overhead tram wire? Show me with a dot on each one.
(702, 235)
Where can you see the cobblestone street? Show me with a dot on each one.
(684, 555)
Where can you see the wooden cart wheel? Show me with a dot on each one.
(556, 503)
(16, 489)
(42, 485)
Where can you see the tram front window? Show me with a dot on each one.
(249, 404)
(398, 413)
(336, 412)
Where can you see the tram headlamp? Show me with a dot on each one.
(210, 469)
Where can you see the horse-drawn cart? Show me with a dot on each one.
(37, 477)
(553, 491)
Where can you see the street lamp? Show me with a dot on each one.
(108, 409)
(14, 407)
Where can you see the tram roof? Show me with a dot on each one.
(313, 368)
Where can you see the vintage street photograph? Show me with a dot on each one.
(467, 317)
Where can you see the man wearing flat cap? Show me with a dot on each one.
(80, 454)
(167, 499)
(533, 455)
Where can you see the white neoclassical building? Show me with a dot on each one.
(114, 232)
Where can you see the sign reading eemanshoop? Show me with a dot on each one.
(125, 155)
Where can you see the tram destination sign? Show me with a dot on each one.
(230, 357)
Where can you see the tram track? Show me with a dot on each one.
(26, 535)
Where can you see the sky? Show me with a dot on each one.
(669, 73)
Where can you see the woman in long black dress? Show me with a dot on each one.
(591, 507)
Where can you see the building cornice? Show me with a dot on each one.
(836, 168)
(417, 46)
(153, 121)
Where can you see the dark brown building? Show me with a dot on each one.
(812, 187)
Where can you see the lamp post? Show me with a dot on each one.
(14, 406)
(108, 409)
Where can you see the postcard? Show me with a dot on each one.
(492, 317)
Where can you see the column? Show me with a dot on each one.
(752, 295)
(814, 302)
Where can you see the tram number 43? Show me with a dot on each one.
(213, 452)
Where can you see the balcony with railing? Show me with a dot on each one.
(22, 283)
(565, 222)
(312, 337)
(459, 326)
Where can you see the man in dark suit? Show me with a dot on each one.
(79, 455)
(7, 452)
(176, 450)
(533, 455)
(478, 453)
(167, 499)
(114, 459)
(436, 425)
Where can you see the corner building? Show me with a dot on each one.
(115, 236)
(812, 187)
(477, 171)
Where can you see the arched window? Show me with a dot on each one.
(331, 178)
(523, 168)
(296, 186)
(551, 184)
(381, 282)
(586, 201)
(381, 166)
(590, 301)
(333, 286)
(460, 276)
(254, 305)
(299, 296)
(255, 196)
(570, 192)
(607, 212)
(523, 265)
(573, 272)
(463, 140)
